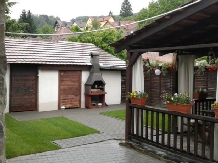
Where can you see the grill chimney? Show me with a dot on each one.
(95, 62)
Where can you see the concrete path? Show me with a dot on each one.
(94, 148)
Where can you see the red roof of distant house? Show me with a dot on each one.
(102, 19)
(154, 56)
(127, 27)
(61, 37)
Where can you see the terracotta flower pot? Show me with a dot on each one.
(182, 108)
(138, 101)
(216, 112)
(200, 96)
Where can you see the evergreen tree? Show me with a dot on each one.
(126, 9)
(23, 17)
(27, 19)
(32, 27)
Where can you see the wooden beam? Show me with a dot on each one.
(128, 89)
(199, 46)
(188, 31)
(162, 24)
(134, 58)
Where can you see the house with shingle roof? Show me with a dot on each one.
(62, 24)
(126, 26)
(104, 21)
(80, 24)
(61, 34)
(45, 75)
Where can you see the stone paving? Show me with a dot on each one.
(94, 148)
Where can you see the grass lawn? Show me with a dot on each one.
(120, 114)
(28, 137)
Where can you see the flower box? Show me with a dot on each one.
(200, 96)
(138, 101)
(215, 112)
(182, 108)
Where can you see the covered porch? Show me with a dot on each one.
(189, 32)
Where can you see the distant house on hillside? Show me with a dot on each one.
(128, 29)
(104, 21)
(80, 24)
(60, 24)
(61, 37)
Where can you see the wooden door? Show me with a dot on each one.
(70, 89)
(23, 87)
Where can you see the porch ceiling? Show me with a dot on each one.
(192, 29)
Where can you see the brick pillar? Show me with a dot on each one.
(2, 81)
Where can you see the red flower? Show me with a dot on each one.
(213, 68)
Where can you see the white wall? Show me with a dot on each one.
(7, 80)
(48, 90)
(85, 75)
(112, 87)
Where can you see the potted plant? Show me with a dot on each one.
(137, 97)
(200, 93)
(214, 106)
(178, 102)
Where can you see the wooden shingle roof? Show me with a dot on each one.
(34, 51)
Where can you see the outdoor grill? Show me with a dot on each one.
(95, 85)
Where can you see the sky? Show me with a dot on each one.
(68, 9)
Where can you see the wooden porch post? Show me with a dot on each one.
(128, 89)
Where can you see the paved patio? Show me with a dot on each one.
(94, 148)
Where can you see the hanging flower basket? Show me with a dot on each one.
(182, 108)
(138, 101)
(211, 68)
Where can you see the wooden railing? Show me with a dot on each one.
(187, 134)
(200, 105)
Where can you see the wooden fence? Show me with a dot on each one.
(155, 85)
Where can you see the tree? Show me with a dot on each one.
(102, 39)
(45, 29)
(156, 8)
(75, 28)
(126, 9)
(28, 20)
(3, 68)
(41, 20)
(11, 24)
(95, 24)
